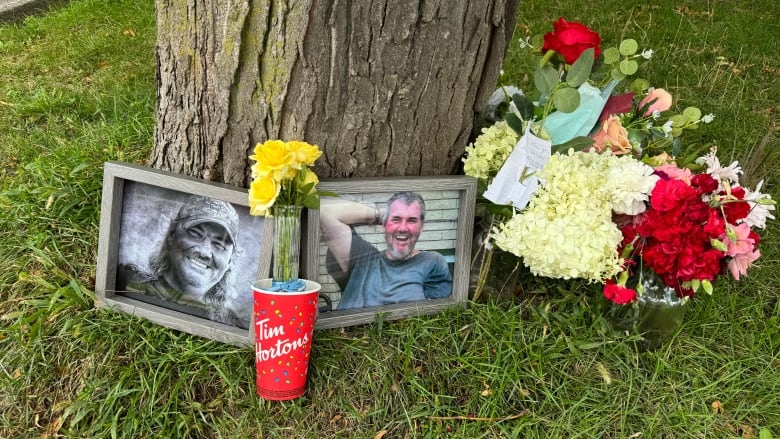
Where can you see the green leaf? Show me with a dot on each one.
(545, 79)
(566, 99)
(628, 67)
(707, 286)
(695, 284)
(764, 433)
(578, 143)
(306, 188)
(311, 202)
(628, 47)
(580, 70)
(692, 114)
(524, 106)
(638, 85)
(611, 55)
(616, 74)
(514, 122)
(718, 244)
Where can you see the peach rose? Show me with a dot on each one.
(612, 135)
(663, 101)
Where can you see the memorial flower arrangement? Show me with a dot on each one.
(697, 226)
(614, 189)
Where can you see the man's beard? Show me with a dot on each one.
(399, 254)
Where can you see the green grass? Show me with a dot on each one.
(77, 88)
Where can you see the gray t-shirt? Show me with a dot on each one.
(374, 280)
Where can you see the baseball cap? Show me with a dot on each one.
(198, 210)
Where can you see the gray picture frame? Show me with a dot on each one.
(118, 178)
(460, 190)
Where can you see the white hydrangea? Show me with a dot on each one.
(567, 229)
(489, 152)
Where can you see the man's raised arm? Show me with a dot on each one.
(336, 217)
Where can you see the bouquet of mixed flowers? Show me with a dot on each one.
(612, 190)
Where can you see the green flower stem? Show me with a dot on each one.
(287, 233)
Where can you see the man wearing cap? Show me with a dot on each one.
(191, 270)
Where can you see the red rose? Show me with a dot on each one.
(570, 39)
(618, 293)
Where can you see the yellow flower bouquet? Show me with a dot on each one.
(283, 183)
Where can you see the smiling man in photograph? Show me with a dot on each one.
(191, 271)
(370, 277)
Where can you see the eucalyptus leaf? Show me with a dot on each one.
(616, 74)
(579, 72)
(628, 67)
(566, 99)
(693, 114)
(628, 47)
(545, 79)
(638, 85)
(611, 55)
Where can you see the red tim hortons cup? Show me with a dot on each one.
(284, 329)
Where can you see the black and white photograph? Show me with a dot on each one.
(180, 252)
(391, 245)
(189, 253)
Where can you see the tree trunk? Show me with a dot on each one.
(385, 88)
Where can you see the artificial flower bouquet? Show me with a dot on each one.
(615, 191)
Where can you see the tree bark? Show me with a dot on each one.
(385, 88)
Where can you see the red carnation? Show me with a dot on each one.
(736, 210)
(671, 195)
(570, 39)
(618, 294)
(705, 183)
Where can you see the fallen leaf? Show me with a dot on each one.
(380, 435)
(717, 407)
(487, 391)
(128, 32)
(335, 419)
(17, 374)
(604, 373)
(52, 429)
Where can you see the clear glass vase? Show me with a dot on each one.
(287, 243)
(657, 313)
